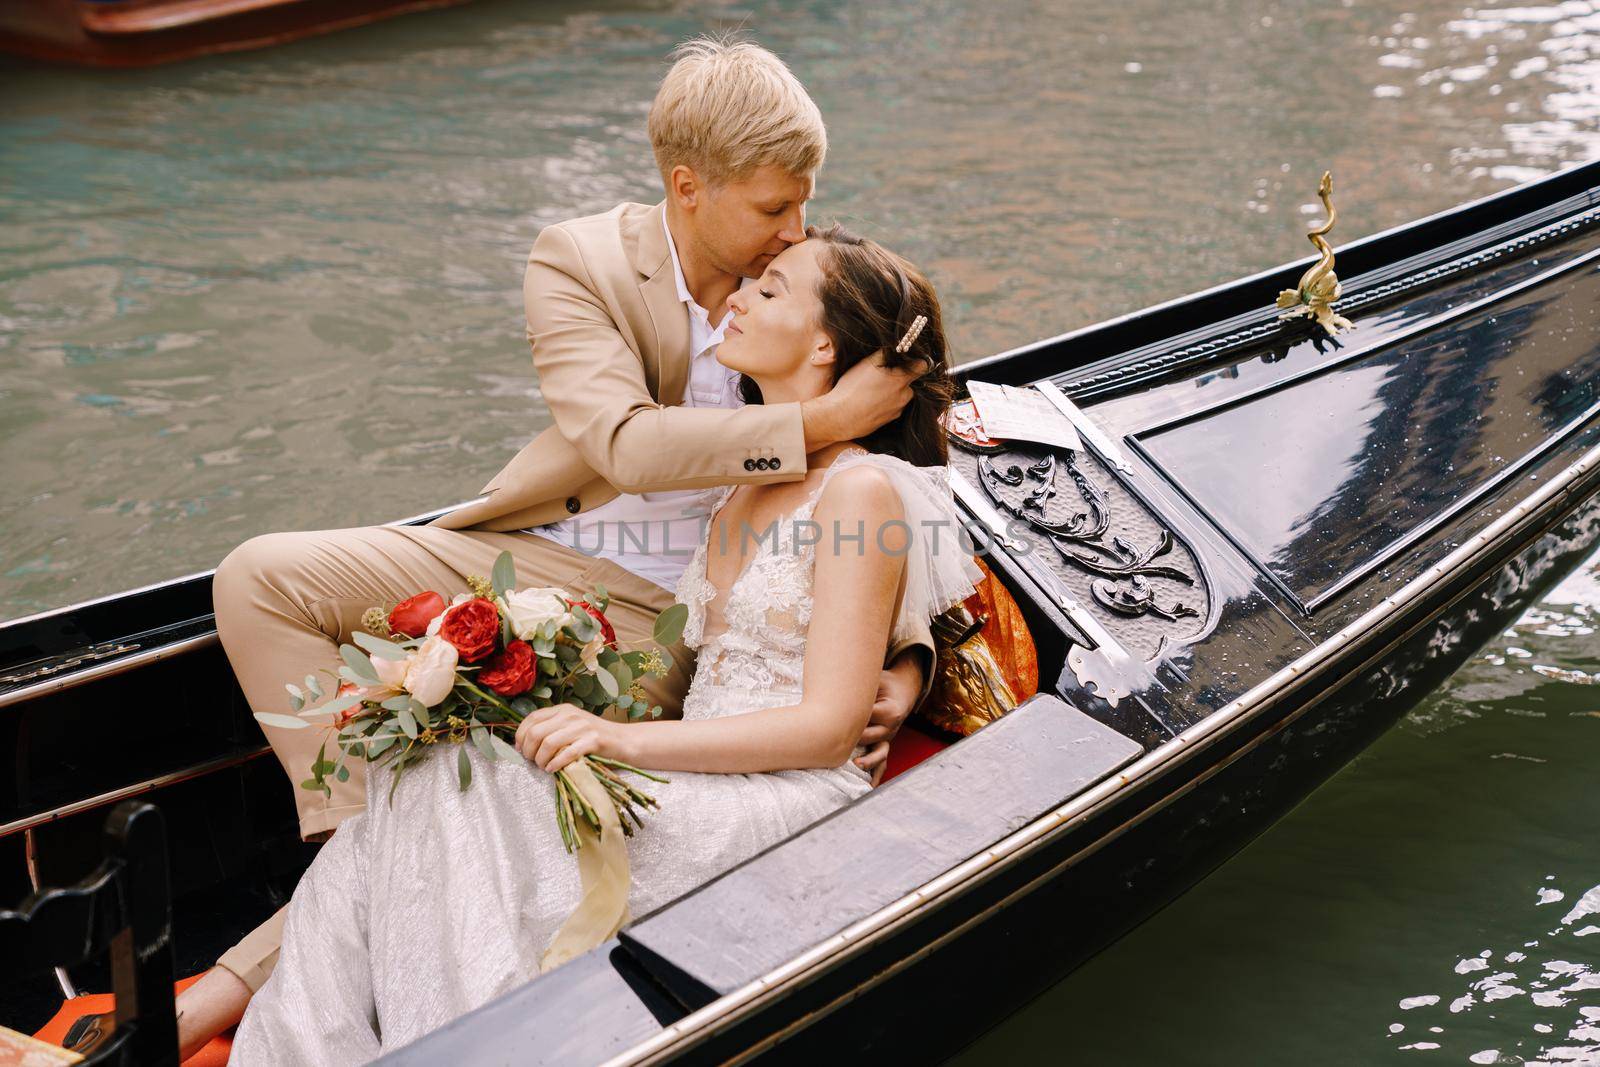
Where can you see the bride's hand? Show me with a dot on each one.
(556, 736)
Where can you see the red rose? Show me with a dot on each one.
(606, 631)
(412, 616)
(473, 626)
(512, 672)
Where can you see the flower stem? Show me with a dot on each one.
(626, 767)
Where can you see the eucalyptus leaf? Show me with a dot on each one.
(608, 682)
(503, 747)
(343, 774)
(539, 693)
(380, 648)
(621, 672)
(636, 712)
(463, 767)
(504, 576)
(359, 663)
(408, 723)
(524, 707)
(312, 686)
(379, 745)
(480, 737)
(583, 626)
(669, 624)
(286, 722)
(336, 705)
(398, 703)
(297, 703)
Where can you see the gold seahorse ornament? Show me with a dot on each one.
(1319, 286)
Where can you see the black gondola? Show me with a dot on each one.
(1271, 545)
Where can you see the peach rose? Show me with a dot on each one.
(431, 671)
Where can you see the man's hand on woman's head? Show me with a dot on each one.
(864, 398)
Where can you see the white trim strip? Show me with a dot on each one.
(1086, 427)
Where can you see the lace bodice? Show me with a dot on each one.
(768, 607)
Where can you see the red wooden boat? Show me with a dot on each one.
(139, 33)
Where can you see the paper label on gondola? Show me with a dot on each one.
(1014, 414)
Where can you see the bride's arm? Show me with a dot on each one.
(854, 594)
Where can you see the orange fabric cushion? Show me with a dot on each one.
(215, 1053)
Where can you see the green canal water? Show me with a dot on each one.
(281, 290)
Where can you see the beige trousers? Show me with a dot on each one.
(285, 602)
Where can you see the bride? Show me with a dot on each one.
(422, 909)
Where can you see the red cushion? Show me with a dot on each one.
(910, 747)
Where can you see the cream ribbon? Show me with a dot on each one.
(603, 867)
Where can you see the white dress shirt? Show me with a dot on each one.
(654, 534)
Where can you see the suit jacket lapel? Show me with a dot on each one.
(659, 288)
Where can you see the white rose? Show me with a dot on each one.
(431, 671)
(529, 609)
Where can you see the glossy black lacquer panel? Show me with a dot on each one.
(1322, 477)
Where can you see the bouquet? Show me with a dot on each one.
(470, 671)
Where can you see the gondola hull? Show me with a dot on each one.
(1267, 546)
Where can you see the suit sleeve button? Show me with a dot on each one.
(775, 461)
(573, 505)
(749, 464)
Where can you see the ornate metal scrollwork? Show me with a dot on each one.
(1123, 569)
(1138, 598)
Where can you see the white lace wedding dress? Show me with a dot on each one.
(415, 913)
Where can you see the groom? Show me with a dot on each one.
(625, 311)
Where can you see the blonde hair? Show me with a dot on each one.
(728, 107)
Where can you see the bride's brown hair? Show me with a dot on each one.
(870, 297)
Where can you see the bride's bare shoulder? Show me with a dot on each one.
(861, 491)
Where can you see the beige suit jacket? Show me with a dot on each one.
(610, 342)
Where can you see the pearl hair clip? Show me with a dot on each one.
(911, 335)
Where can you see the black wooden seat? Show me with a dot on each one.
(123, 908)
